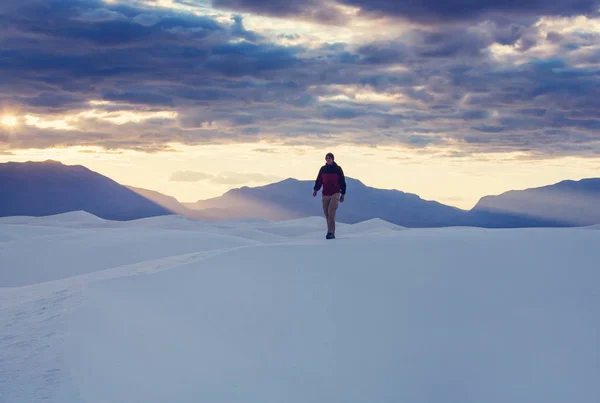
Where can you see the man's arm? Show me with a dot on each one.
(342, 180)
(318, 181)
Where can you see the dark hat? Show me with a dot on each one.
(330, 155)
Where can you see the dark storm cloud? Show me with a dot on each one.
(248, 59)
(138, 97)
(426, 11)
(382, 54)
(307, 9)
(226, 83)
(433, 10)
(443, 42)
(56, 44)
(51, 100)
(450, 43)
(237, 29)
(333, 112)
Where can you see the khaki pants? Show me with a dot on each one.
(330, 205)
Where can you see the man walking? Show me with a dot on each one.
(332, 178)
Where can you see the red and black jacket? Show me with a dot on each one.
(332, 178)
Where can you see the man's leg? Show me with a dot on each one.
(326, 203)
(333, 206)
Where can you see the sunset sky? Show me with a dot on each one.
(451, 100)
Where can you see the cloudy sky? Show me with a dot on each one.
(451, 100)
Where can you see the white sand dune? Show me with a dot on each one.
(74, 218)
(296, 228)
(375, 225)
(12, 232)
(255, 234)
(162, 222)
(35, 260)
(262, 312)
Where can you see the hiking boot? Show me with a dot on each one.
(330, 236)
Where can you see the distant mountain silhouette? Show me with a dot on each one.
(47, 188)
(567, 203)
(292, 198)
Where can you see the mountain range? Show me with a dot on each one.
(45, 188)
(572, 203)
(49, 187)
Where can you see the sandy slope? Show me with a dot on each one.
(263, 312)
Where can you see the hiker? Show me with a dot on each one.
(331, 177)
